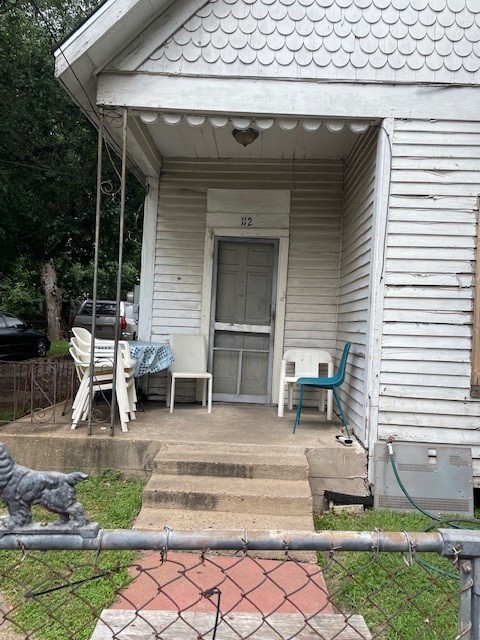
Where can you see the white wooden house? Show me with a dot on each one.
(351, 216)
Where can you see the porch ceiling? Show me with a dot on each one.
(193, 136)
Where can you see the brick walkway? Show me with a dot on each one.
(246, 585)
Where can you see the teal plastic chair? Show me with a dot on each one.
(325, 383)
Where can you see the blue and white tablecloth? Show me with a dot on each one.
(151, 357)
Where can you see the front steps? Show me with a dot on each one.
(227, 487)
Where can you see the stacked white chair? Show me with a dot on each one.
(103, 376)
(82, 334)
(125, 381)
(102, 381)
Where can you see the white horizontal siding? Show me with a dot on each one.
(430, 262)
(312, 280)
(354, 290)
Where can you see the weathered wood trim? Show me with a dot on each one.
(242, 328)
(209, 253)
(248, 220)
(283, 249)
(156, 34)
(475, 392)
(143, 148)
(104, 33)
(288, 98)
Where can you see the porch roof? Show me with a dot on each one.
(99, 65)
(200, 136)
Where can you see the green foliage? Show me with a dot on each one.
(48, 158)
(59, 348)
(6, 415)
(79, 280)
(20, 290)
(398, 599)
(60, 594)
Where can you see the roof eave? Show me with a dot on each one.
(101, 37)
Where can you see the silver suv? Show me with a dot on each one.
(105, 319)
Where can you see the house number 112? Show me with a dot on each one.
(247, 221)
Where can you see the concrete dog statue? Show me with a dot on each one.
(20, 488)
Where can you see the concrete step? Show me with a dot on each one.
(231, 465)
(154, 519)
(169, 625)
(264, 449)
(237, 495)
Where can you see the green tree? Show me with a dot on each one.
(19, 290)
(48, 161)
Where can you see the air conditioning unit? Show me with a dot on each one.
(439, 478)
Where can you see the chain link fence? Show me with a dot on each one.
(131, 585)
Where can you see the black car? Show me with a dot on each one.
(18, 341)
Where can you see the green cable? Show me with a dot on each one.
(454, 523)
(447, 521)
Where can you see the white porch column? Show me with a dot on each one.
(148, 259)
(377, 282)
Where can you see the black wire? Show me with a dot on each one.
(37, 167)
(208, 594)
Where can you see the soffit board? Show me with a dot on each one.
(202, 137)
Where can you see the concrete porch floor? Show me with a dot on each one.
(333, 466)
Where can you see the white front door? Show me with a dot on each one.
(243, 320)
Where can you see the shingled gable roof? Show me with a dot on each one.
(411, 41)
(407, 41)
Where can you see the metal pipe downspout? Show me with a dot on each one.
(95, 264)
(119, 266)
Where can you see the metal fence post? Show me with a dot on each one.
(466, 583)
(475, 605)
(463, 545)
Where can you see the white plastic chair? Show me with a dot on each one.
(83, 339)
(101, 382)
(305, 365)
(103, 378)
(82, 334)
(190, 361)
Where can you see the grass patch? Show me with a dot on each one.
(398, 601)
(88, 582)
(6, 415)
(59, 348)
